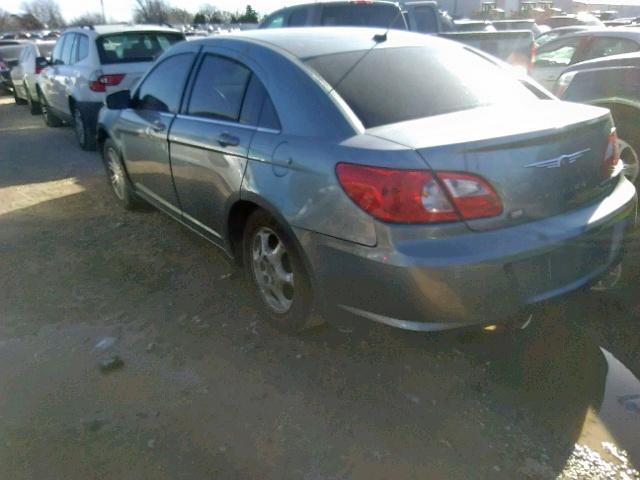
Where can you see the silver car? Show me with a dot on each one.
(396, 176)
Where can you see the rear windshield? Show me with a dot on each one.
(391, 85)
(11, 52)
(135, 46)
(363, 15)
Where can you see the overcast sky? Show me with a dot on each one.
(121, 10)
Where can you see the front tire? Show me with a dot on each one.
(117, 177)
(50, 120)
(16, 98)
(84, 130)
(276, 270)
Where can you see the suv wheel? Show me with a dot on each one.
(117, 177)
(629, 157)
(50, 120)
(85, 132)
(34, 107)
(16, 98)
(274, 266)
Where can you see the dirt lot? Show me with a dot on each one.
(208, 390)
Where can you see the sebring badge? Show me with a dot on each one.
(561, 161)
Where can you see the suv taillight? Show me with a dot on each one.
(104, 81)
(610, 166)
(418, 196)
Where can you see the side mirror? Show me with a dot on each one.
(119, 100)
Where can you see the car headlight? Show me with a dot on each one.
(563, 83)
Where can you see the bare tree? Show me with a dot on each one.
(90, 18)
(46, 11)
(4, 20)
(180, 16)
(151, 11)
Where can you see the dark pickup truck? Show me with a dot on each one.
(612, 82)
(515, 47)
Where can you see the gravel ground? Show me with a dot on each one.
(130, 349)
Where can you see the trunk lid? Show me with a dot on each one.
(132, 73)
(542, 158)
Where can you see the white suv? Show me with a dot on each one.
(88, 63)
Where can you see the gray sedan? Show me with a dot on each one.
(396, 176)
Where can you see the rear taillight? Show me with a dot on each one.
(418, 196)
(611, 165)
(104, 81)
(39, 68)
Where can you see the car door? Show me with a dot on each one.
(553, 58)
(58, 99)
(47, 76)
(144, 130)
(210, 140)
(17, 72)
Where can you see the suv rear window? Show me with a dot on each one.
(425, 82)
(363, 15)
(135, 46)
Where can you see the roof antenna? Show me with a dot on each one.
(382, 37)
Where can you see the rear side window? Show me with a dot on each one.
(434, 81)
(82, 47)
(258, 109)
(603, 47)
(219, 89)
(162, 89)
(363, 15)
(67, 48)
(135, 46)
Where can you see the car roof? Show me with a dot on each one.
(308, 42)
(121, 28)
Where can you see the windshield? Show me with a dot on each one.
(426, 82)
(135, 46)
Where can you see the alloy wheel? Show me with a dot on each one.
(272, 270)
(116, 173)
(629, 157)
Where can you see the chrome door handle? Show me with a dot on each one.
(226, 140)
(158, 126)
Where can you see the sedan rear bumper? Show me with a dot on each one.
(474, 278)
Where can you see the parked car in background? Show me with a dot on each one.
(553, 58)
(557, 21)
(9, 55)
(614, 83)
(286, 149)
(24, 74)
(537, 30)
(424, 16)
(559, 32)
(89, 63)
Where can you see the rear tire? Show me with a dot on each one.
(85, 131)
(275, 268)
(117, 177)
(18, 100)
(34, 107)
(50, 120)
(629, 145)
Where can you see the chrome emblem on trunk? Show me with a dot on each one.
(561, 161)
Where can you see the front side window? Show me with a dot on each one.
(132, 47)
(219, 89)
(435, 81)
(162, 89)
(298, 17)
(276, 21)
(557, 54)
